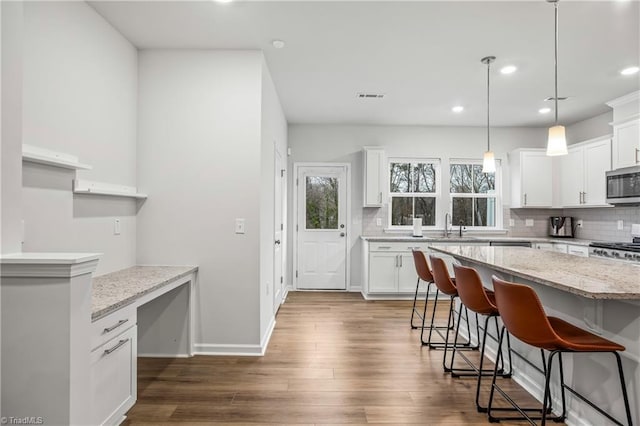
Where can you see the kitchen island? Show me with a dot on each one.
(599, 295)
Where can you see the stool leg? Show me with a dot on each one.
(415, 298)
(446, 340)
(624, 389)
(433, 316)
(547, 390)
(562, 417)
(480, 408)
(546, 368)
(493, 380)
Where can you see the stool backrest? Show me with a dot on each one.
(441, 276)
(422, 268)
(523, 314)
(471, 291)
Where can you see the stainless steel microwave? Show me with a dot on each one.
(623, 186)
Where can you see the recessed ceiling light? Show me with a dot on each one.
(509, 69)
(544, 110)
(457, 108)
(630, 71)
(223, 1)
(278, 44)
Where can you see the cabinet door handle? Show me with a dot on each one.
(580, 198)
(584, 198)
(384, 247)
(113, 327)
(637, 151)
(400, 259)
(396, 261)
(525, 199)
(118, 345)
(380, 198)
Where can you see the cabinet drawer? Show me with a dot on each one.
(397, 246)
(578, 250)
(113, 378)
(113, 324)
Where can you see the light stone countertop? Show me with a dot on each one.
(121, 288)
(592, 278)
(471, 239)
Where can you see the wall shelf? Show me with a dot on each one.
(82, 186)
(33, 154)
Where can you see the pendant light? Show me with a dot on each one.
(488, 160)
(557, 143)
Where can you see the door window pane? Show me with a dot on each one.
(425, 208)
(321, 202)
(402, 211)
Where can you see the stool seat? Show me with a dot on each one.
(576, 339)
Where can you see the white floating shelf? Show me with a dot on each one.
(33, 154)
(81, 186)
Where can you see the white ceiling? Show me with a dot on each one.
(425, 56)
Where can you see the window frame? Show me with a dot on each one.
(498, 193)
(437, 162)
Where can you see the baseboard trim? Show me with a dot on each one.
(392, 296)
(237, 350)
(156, 355)
(355, 289)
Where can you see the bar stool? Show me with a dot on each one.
(475, 297)
(524, 317)
(446, 286)
(424, 274)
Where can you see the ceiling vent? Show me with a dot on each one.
(370, 95)
(560, 98)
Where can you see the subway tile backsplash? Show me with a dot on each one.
(598, 223)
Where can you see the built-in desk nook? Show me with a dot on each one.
(70, 342)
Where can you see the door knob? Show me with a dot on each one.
(342, 234)
(277, 241)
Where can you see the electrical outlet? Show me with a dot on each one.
(378, 222)
(579, 223)
(512, 222)
(620, 225)
(116, 227)
(528, 222)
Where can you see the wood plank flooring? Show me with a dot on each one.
(334, 358)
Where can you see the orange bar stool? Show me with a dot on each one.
(524, 317)
(447, 287)
(424, 274)
(481, 301)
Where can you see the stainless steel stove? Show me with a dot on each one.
(619, 251)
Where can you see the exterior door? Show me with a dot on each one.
(321, 228)
(278, 226)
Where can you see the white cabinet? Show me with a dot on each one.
(392, 272)
(543, 246)
(583, 173)
(626, 130)
(582, 251)
(374, 176)
(560, 248)
(626, 144)
(113, 367)
(531, 178)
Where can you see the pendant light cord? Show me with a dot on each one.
(488, 134)
(556, 59)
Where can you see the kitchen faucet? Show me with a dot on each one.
(460, 230)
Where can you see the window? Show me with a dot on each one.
(413, 191)
(474, 199)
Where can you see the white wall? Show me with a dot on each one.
(590, 128)
(199, 151)
(274, 137)
(11, 147)
(342, 143)
(80, 90)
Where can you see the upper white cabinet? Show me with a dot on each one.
(374, 176)
(531, 178)
(583, 173)
(626, 130)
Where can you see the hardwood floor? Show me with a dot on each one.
(334, 358)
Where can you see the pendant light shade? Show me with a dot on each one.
(488, 160)
(557, 142)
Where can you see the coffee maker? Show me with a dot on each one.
(561, 226)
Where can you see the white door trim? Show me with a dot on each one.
(280, 178)
(296, 167)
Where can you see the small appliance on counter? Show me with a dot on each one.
(417, 227)
(561, 226)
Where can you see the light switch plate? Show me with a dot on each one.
(116, 227)
(528, 222)
(512, 222)
(620, 225)
(239, 226)
(378, 222)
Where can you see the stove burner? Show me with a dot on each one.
(634, 247)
